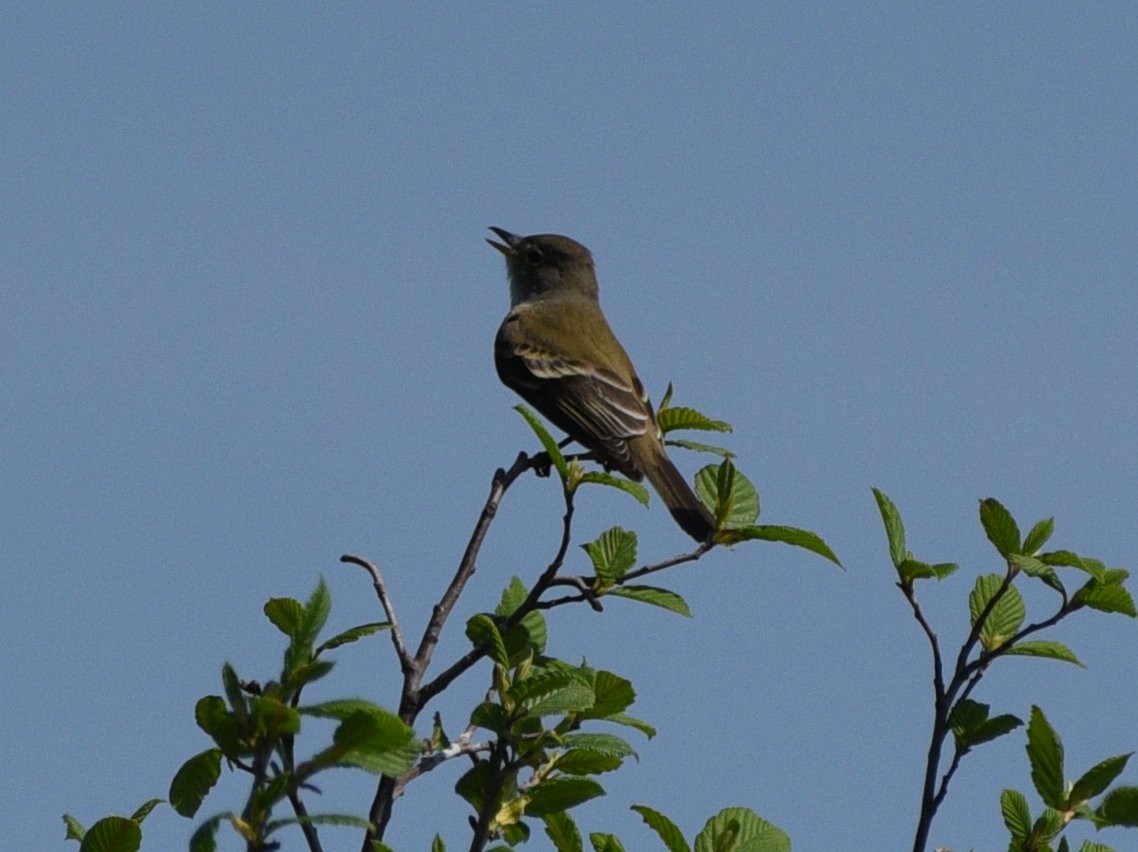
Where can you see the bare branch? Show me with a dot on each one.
(405, 661)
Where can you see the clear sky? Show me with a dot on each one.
(246, 315)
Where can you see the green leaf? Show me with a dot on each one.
(1017, 815)
(734, 499)
(992, 729)
(212, 717)
(1006, 615)
(667, 400)
(613, 553)
(680, 417)
(611, 694)
(286, 613)
(743, 830)
(652, 595)
(1097, 778)
(1045, 753)
(560, 828)
(1063, 558)
(550, 692)
(627, 485)
(234, 693)
(971, 726)
(526, 638)
(482, 631)
(577, 761)
(373, 740)
(547, 442)
(75, 829)
(1000, 527)
(341, 708)
(194, 780)
(1034, 567)
(112, 834)
(1038, 536)
(560, 794)
(912, 569)
(667, 830)
(345, 820)
(607, 744)
(639, 724)
(272, 718)
(602, 842)
(1120, 807)
(700, 447)
(512, 597)
(1106, 597)
(353, 634)
(894, 529)
(1046, 648)
(204, 838)
(787, 535)
(143, 810)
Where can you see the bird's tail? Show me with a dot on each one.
(688, 510)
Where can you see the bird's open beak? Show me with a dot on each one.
(509, 239)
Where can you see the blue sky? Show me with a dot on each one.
(246, 321)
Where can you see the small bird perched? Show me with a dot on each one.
(557, 351)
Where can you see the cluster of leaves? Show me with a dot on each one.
(1065, 803)
(997, 616)
(253, 728)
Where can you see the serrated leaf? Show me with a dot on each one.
(577, 761)
(993, 728)
(563, 832)
(345, 820)
(602, 842)
(1106, 597)
(1034, 567)
(611, 694)
(143, 810)
(740, 829)
(373, 740)
(482, 631)
(512, 597)
(1006, 615)
(560, 794)
(316, 611)
(75, 829)
(214, 718)
(662, 598)
(665, 829)
(1000, 527)
(547, 693)
(632, 722)
(112, 834)
(912, 569)
(547, 442)
(894, 529)
(609, 744)
(1017, 815)
(1049, 824)
(965, 715)
(1096, 779)
(1038, 536)
(1120, 807)
(612, 553)
(1045, 753)
(1064, 558)
(286, 614)
(681, 417)
(353, 634)
(627, 485)
(667, 399)
(793, 536)
(526, 638)
(204, 838)
(194, 780)
(341, 708)
(734, 500)
(1048, 649)
(700, 447)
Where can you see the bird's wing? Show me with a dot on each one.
(593, 404)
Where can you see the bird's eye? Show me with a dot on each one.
(533, 256)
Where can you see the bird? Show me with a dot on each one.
(556, 350)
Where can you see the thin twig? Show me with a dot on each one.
(405, 661)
